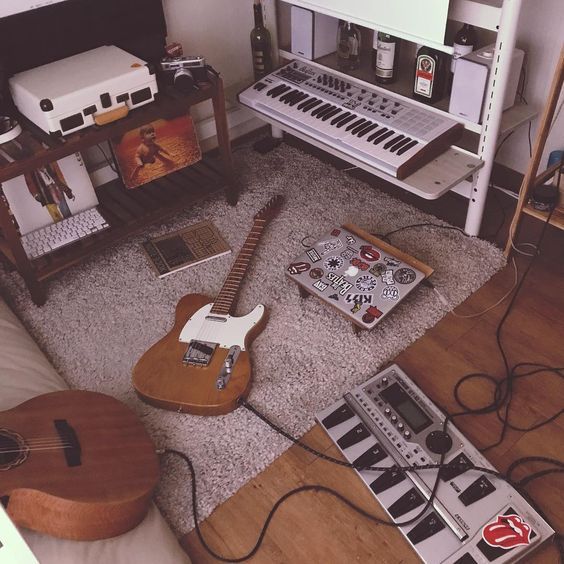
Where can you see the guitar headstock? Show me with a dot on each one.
(270, 210)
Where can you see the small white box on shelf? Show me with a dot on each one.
(313, 35)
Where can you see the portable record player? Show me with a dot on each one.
(97, 86)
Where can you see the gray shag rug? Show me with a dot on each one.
(103, 314)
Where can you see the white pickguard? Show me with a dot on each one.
(230, 331)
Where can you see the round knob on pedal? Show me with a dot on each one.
(438, 442)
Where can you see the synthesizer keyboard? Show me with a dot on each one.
(475, 517)
(359, 119)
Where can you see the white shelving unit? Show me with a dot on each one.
(464, 171)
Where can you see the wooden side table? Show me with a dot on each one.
(127, 211)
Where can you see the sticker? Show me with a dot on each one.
(339, 283)
(378, 269)
(313, 255)
(356, 308)
(351, 271)
(388, 277)
(316, 273)
(372, 313)
(390, 293)
(333, 263)
(321, 286)
(507, 532)
(360, 264)
(350, 240)
(366, 283)
(359, 299)
(334, 297)
(331, 245)
(298, 267)
(349, 253)
(404, 275)
(369, 253)
(390, 261)
(336, 232)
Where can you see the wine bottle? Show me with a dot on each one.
(261, 45)
(348, 46)
(387, 58)
(430, 75)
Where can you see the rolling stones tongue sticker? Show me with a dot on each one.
(507, 531)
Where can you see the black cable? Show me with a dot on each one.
(107, 159)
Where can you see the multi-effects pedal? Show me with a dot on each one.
(354, 117)
(475, 517)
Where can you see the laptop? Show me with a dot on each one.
(13, 548)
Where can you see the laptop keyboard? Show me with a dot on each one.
(57, 235)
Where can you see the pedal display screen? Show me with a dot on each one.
(406, 408)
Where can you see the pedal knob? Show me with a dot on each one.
(438, 442)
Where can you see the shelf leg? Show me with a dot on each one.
(233, 187)
(276, 132)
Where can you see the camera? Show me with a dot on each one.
(184, 71)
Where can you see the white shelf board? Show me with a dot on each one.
(485, 14)
(429, 182)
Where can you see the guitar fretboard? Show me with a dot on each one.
(225, 300)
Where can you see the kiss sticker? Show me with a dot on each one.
(321, 286)
(369, 253)
(336, 232)
(298, 267)
(359, 299)
(333, 263)
(313, 255)
(507, 532)
(316, 273)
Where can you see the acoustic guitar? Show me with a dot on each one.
(76, 464)
(202, 366)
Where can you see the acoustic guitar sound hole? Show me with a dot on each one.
(13, 450)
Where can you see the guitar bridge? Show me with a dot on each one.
(199, 353)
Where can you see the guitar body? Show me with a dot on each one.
(162, 379)
(98, 487)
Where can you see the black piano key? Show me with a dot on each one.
(360, 127)
(308, 100)
(393, 141)
(366, 130)
(346, 120)
(400, 144)
(340, 117)
(355, 124)
(311, 105)
(325, 111)
(331, 114)
(377, 134)
(407, 147)
(477, 490)
(276, 90)
(455, 467)
(340, 415)
(407, 502)
(371, 457)
(298, 98)
(285, 95)
(355, 435)
(379, 140)
(387, 479)
(320, 109)
(430, 525)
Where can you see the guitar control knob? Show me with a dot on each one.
(388, 411)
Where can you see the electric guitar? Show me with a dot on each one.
(76, 465)
(202, 366)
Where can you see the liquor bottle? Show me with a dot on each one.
(348, 46)
(465, 42)
(387, 58)
(430, 75)
(261, 45)
(374, 49)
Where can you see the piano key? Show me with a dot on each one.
(407, 147)
(400, 144)
(355, 435)
(325, 111)
(340, 415)
(355, 124)
(310, 105)
(276, 90)
(366, 130)
(406, 503)
(393, 141)
(371, 457)
(376, 134)
(331, 114)
(477, 490)
(339, 118)
(379, 140)
(387, 479)
(430, 525)
(346, 120)
(320, 109)
(298, 98)
(359, 127)
(308, 100)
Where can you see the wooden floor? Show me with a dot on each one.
(317, 528)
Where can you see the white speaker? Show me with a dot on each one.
(313, 34)
(471, 81)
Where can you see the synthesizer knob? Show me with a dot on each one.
(388, 411)
(407, 434)
(438, 442)
(384, 380)
(394, 419)
(400, 426)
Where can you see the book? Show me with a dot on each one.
(156, 149)
(185, 248)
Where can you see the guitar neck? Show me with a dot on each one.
(225, 301)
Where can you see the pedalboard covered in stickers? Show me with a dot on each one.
(360, 275)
